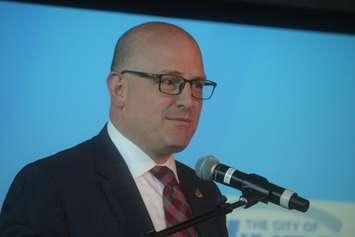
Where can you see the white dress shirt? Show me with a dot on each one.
(139, 164)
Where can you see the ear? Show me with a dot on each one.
(117, 89)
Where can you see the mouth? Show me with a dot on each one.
(180, 119)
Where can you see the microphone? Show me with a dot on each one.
(209, 168)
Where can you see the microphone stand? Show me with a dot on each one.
(247, 199)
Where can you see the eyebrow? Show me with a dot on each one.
(182, 75)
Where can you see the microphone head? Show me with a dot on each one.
(205, 166)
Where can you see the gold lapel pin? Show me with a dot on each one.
(198, 193)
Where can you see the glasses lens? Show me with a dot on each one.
(170, 84)
(202, 89)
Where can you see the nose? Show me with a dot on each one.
(184, 99)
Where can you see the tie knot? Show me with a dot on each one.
(164, 175)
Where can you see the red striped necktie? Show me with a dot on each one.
(176, 208)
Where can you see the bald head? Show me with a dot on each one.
(138, 42)
(159, 123)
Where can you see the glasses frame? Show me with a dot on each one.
(158, 77)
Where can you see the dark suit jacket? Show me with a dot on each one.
(88, 191)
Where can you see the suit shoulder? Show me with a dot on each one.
(66, 158)
(63, 166)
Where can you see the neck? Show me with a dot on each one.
(158, 158)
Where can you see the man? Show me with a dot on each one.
(114, 184)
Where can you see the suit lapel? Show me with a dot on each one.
(119, 187)
(193, 193)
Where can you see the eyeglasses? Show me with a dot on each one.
(171, 84)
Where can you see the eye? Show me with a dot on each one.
(170, 81)
(198, 85)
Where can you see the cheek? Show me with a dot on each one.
(147, 111)
(197, 111)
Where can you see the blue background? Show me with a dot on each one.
(283, 108)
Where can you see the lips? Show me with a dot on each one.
(180, 119)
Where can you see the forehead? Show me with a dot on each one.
(160, 51)
(181, 75)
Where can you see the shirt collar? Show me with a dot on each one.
(137, 160)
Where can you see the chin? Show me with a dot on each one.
(177, 142)
(175, 148)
